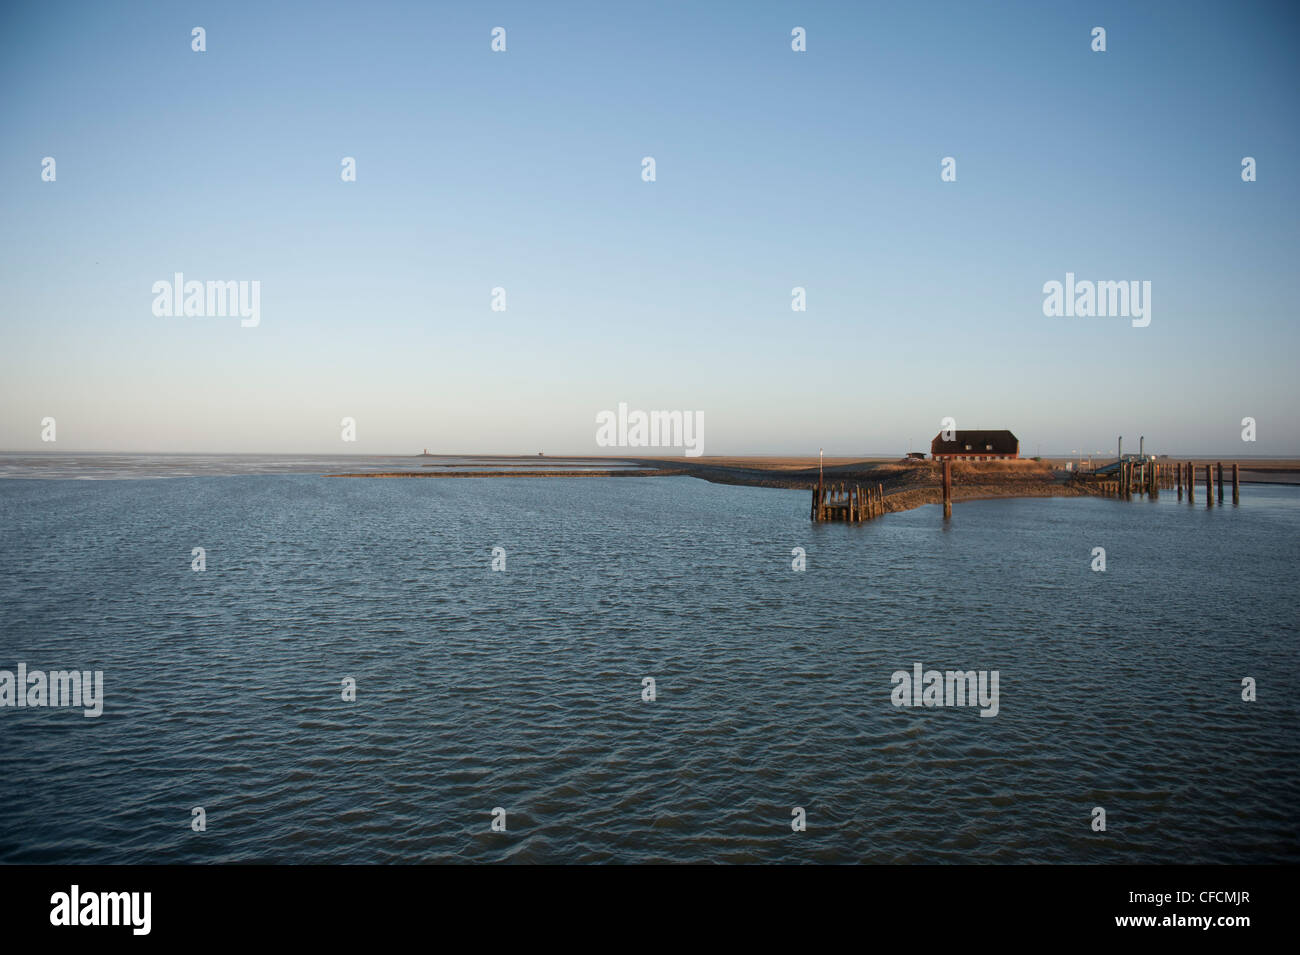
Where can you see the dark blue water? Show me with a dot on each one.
(108, 466)
(522, 689)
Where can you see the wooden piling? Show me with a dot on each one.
(947, 488)
(1178, 478)
(1236, 483)
(1220, 476)
(1191, 483)
(1209, 485)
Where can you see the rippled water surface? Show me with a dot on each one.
(522, 689)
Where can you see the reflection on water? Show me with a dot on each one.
(103, 466)
(522, 688)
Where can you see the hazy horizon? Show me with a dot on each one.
(631, 453)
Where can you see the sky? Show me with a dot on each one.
(522, 170)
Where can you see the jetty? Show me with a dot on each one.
(1129, 477)
(856, 504)
(1133, 476)
(847, 502)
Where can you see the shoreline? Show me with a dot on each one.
(906, 485)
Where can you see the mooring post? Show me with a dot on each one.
(1178, 476)
(880, 497)
(947, 488)
(1236, 484)
(1209, 485)
(1191, 483)
(1220, 482)
(1155, 480)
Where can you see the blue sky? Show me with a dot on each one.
(522, 170)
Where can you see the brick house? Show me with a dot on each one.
(976, 446)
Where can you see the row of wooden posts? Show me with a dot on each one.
(847, 502)
(855, 504)
(1149, 477)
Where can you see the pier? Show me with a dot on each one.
(1129, 476)
(847, 502)
(854, 501)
